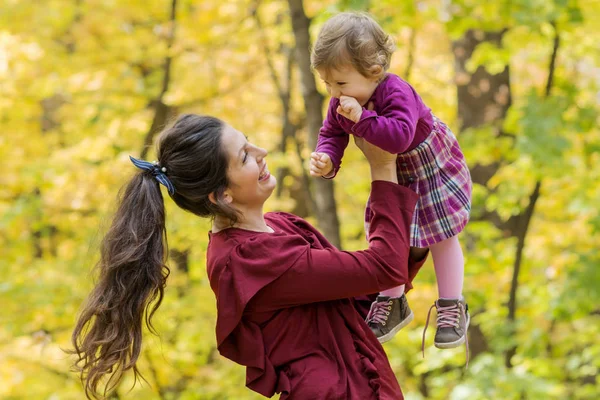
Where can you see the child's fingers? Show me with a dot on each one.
(319, 157)
(315, 172)
(347, 101)
(317, 163)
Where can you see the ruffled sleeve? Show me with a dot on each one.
(235, 279)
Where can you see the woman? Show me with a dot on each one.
(284, 293)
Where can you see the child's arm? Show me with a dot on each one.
(393, 129)
(332, 139)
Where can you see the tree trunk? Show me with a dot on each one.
(525, 219)
(326, 209)
(483, 99)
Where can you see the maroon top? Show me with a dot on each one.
(285, 307)
(398, 123)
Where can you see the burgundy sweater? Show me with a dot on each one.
(286, 308)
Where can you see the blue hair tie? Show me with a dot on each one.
(157, 171)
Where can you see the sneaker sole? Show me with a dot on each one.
(388, 336)
(456, 343)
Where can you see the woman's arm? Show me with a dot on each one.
(328, 274)
(381, 163)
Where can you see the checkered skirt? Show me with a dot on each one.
(437, 171)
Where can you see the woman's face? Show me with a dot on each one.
(250, 183)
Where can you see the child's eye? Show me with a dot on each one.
(245, 157)
(341, 83)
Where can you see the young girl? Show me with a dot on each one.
(352, 55)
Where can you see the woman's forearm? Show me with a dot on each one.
(384, 172)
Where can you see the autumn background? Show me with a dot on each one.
(85, 83)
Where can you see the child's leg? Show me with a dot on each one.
(452, 310)
(394, 292)
(449, 265)
(390, 312)
(416, 254)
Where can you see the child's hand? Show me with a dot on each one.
(350, 108)
(320, 164)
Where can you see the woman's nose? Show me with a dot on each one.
(261, 153)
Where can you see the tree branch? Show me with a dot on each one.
(552, 65)
(47, 368)
(525, 218)
(161, 392)
(411, 53)
(161, 110)
(289, 129)
(200, 101)
(283, 95)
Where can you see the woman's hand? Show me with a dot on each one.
(382, 163)
(374, 154)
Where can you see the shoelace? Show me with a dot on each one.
(448, 317)
(378, 312)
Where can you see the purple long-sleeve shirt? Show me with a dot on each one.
(399, 122)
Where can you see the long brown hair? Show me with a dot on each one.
(107, 338)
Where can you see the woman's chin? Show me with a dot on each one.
(269, 184)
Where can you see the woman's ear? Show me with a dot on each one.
(226, 198)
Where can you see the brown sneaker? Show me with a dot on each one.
(452, 323)
(388, 315)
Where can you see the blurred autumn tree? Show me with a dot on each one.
(86, 83)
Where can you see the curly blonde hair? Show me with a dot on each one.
(352, 38)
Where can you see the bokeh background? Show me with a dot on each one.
(85, 83)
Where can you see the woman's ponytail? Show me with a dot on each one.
(108, 336)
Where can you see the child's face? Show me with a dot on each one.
(347, 81)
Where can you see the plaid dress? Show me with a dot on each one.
(437, 171)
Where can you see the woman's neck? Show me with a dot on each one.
(251, 221)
